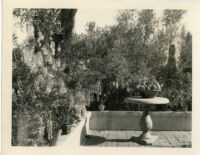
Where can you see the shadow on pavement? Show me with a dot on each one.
(95, 140)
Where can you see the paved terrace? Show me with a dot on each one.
(111, 138)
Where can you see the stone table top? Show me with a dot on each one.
(139, 100)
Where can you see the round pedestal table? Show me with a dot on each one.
(146, 123)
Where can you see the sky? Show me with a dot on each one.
(101, 17)
(108, 17)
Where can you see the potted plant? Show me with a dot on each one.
(186, 103)
(70, 117)
(66, 127)
(101, 102)
(56, 132)
(148, 88)
(101, 106)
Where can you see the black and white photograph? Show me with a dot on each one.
(124, 80)
(88, 79)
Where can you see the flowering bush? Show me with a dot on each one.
(179, 92)
(148, 85)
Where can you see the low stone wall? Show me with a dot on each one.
(129, 120)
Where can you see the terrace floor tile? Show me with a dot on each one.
(113, 138)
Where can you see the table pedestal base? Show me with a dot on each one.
(146, 139)
(146, 125)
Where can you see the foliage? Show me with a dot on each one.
(56, 73)
(171, 19)
(122, 54)
(40, 87)
(150, 84)
(180, 91)
(186, 50)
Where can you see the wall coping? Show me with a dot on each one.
(155, 113)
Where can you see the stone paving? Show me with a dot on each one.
(125, 139)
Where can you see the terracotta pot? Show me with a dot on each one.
(185, 107)
(54, 140)
(101, 107)
(149, 93)
(66, 128)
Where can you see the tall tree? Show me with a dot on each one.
(186, 50)
(171, 19)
